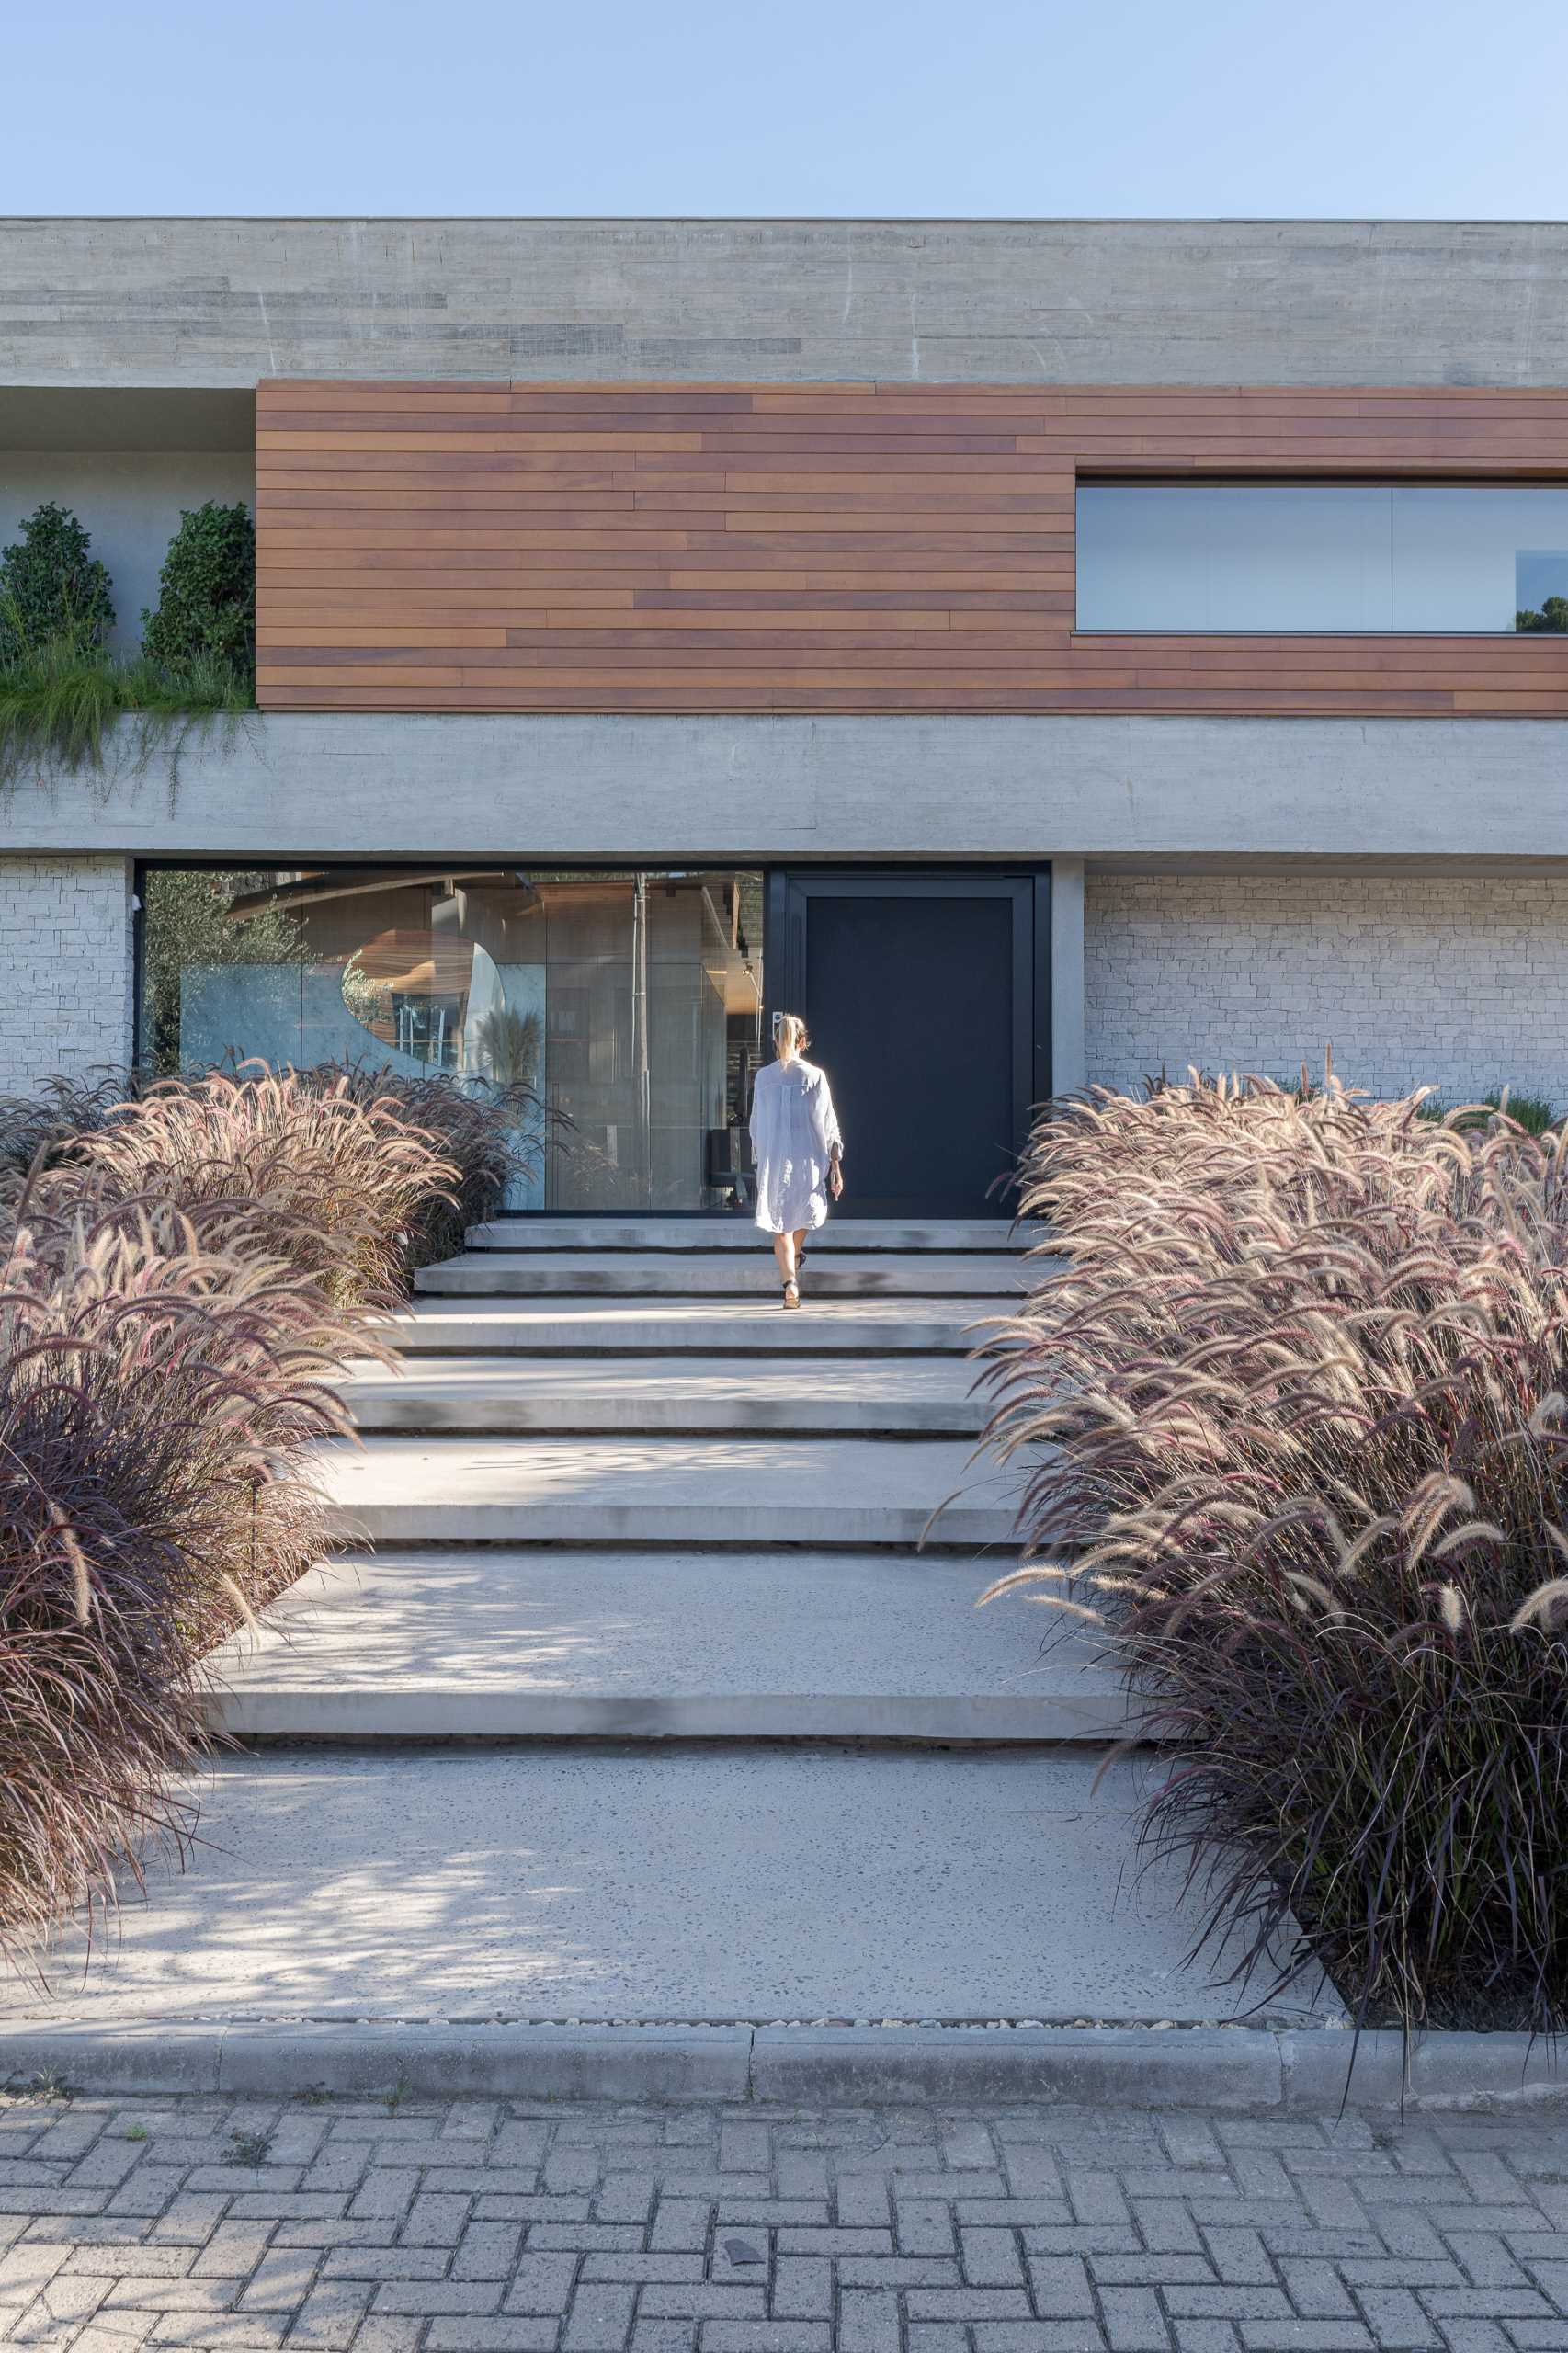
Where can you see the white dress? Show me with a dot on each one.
(793, 1131)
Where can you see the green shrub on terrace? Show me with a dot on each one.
(60, 689)
(206, 609)
(50, 586)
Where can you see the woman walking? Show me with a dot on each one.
(797, 1147)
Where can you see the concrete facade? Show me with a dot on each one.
(140, 302)
(1458, 981)
(65, 966)
(135, 347)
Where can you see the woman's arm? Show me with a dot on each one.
(830, 1137)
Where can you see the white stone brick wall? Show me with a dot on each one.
(1456, 981)
(65, 966)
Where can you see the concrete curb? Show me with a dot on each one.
(1228, 2067)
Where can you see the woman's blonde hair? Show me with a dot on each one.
(789, 1034)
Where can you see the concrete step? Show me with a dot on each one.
(572, 1326)
(685, 1234)
(907, 1396)
(647, 1883)
(649, 1274)
(485, 1643)
(734, 1492)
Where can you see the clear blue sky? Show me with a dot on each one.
(1343, 107)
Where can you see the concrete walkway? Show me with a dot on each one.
(720, 1882)
(686, 1555)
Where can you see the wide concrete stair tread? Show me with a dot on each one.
(683, 1234)
(828, 1275)
(736, 1491)
(651, 1883)
(600, 1327)
(484, 1644)
(907, 1395)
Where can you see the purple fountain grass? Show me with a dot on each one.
(477, 1139)
(486, 1136)
(156, 1397)
(1299, 1443)
(333, 1182)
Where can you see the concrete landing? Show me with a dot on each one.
(746, 1883)
(739, 1491)
(840, 1274)
(577, 1326)
(682, 1235)
(483, 1644)
(843, 1395)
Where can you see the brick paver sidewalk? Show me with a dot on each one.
(385, 2226)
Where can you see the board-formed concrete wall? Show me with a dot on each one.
(229, 301)
(65, 966)
(1459, 981)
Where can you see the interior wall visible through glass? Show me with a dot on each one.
(622, 1011)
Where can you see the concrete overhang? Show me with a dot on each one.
(84, 417)
(276, 787)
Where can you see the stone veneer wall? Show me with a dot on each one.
(65, 966)
(1455, 981)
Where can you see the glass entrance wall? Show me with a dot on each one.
(626, 1006)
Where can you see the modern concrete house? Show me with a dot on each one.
(1034, 651)
(1037, 650)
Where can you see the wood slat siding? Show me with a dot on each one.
(819, 547)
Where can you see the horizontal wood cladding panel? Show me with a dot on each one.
(854, 547)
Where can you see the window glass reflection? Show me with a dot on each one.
(1224, 557)
(629, 1004)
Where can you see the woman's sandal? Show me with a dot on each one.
(791, 1295)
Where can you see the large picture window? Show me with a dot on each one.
(627, 1005)
(1463, 559)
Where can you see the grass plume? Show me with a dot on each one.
(332, 1182)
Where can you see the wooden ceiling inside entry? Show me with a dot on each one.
(860, 548)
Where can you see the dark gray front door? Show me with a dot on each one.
(920, 992)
